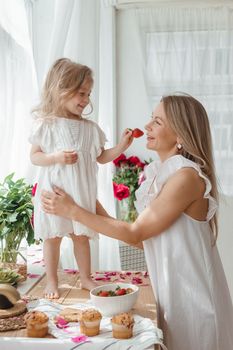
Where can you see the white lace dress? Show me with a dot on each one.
(195, 307)
(79, 179)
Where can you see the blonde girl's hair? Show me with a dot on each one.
(63, 81)
(188, 119)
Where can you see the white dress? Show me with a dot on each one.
(195, 307)
(79, 179)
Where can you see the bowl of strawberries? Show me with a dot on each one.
(114, 298)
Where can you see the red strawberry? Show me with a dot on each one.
(137, 133)
(103, 293)
(121, 291)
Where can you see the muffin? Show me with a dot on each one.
(122, 325)
(36, 323)
(89, 321)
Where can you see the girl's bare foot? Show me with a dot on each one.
(51, 291)
(87, 283)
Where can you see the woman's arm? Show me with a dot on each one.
(101, 211)
(110, 154)
(180, 191)
(38, 157)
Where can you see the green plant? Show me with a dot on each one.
(16, 210)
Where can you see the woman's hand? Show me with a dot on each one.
(57, 202)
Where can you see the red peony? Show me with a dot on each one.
(120, 191)
(140, 165)
(119, 159)
(134, 160)
(34, 189)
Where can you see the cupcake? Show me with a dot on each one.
(122, 326)
(36, 323)
(89, 321)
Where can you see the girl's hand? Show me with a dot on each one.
(66, 157)
(126, 139)
(57, 202)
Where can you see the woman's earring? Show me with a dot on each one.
(179, 146)
(90, 104)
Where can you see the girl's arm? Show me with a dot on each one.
(180, 191)
(38, 157)
(110, 154)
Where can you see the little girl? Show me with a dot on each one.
(66, 147)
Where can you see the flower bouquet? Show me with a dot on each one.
(129, 176)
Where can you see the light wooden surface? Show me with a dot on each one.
(71, 293)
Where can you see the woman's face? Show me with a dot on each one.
(76, 104)
(160, 137)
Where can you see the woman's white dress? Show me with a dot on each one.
(79, 180)
(195, 307)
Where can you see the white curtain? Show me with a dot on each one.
(18, 87)
(190, 49)
(34, 34)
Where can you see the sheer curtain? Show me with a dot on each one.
(191, 50)
(18, 87)
(34, 34)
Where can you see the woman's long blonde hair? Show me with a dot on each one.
(63, 80)
(189, 120)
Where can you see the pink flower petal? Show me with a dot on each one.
(72, 271)
(111, 273)
(61, 323)
(33, 275)
(102, 278)
(37, 261)
(80, 339)
(136, 280)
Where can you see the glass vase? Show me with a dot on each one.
(127, 210)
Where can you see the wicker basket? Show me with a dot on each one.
(132, 258)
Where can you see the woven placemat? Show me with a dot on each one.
(15, 310)
(12, 323)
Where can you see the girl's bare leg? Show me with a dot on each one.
(51, 258)
(83, 258)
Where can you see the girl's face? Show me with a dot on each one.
(160, 137)
(76, 104)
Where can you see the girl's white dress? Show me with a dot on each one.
(79, 180)
(195, 307)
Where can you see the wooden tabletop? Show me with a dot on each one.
(71, 293)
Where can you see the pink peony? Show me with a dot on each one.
(141, 178)
(34, 189)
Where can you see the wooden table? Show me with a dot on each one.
(71, 293)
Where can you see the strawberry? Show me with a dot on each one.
(103, 293)
(121, 291)
(137, 133)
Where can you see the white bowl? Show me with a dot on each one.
(112, 305)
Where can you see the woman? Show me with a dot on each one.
(177, 226)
